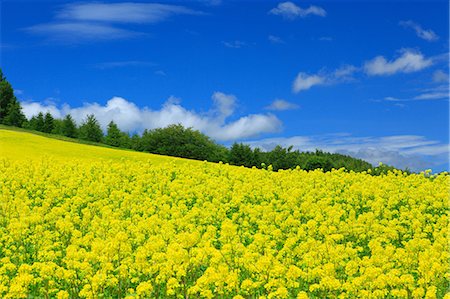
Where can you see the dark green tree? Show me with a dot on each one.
(57, 126)
(175, 140)
(135, 143)
(39, 124)
(90, 129)
(69, 127)
(14, 115)
(49, 123)
(114, 135)
(241, 154)
(6, 97)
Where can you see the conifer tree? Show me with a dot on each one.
(90, 129)
(69, 127)
(49, 124)
(14, 115)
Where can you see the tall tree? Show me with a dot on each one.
(14, 115)
(39, 125)
(69, 127)
(49, 123)
(113, 135)
(90, 129)
(6, 96)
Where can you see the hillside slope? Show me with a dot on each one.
(16, 145)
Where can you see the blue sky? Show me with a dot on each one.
(366, 78)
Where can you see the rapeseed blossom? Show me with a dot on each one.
(134, 229)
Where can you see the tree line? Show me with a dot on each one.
(175, 140)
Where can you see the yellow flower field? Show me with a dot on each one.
(79, 221)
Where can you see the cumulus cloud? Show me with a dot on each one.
(402, 151)
(305, 81)
(93, 21)
(409, 61)
(131, 118)
(281, 105)
(427, 35)
(290, 11)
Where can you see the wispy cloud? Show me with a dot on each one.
(326, 38)
(121, 64)
(275, 39)
(412, 151)
(409, 61)
(440, 77)
(432, 94)
(291, 11)
(427, 35)
(73, 32)
(236, 44)
(160, 73)
(305, 81)
(282, 105)
(130, 117)
(80, 22)
(125, 12)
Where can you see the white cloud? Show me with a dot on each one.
(33, 108)
(290, 11)
(234, 44)
(73, 31)
(125, 12)
(130, 117)
(305, 81)
(120, 64)
(410, 61)
(81, 22)
(275, 39)
(281, 105)
(427, 35)
(326, 38)
(436, 93)
(160, 73)
(412, 151)
(224, 103)
(439, 76)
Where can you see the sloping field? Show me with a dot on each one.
(26, 146)
(79, 221)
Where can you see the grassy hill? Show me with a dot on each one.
(17, 144)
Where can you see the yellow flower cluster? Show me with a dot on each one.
(134, 229)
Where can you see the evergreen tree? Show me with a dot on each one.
(114, 135)
(14, 115)
(90, 129)
(136, 142)
(31, 124)
(39, 124)
(242, 154)
(49, 124)
(69, 128)
(57, 126)
(6, 97)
